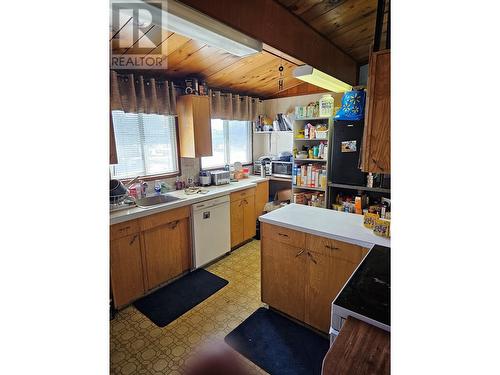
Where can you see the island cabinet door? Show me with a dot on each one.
(237, 222)
(126, 269)
(329, 266)
(249, 217)
(283, 277)
(167, 251)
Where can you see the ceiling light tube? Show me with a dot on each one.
(179, 18)
(317, 78)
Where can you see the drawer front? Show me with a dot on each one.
(237, 195)
(123, 229)
(337, 249)
(284, 235)
(162, 218)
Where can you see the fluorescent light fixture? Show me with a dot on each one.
(182, 19)
(317, 78)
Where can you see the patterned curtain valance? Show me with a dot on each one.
(228, 106)
(136, 94)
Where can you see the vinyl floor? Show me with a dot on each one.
(138, 346)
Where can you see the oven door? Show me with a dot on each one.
(281, 169)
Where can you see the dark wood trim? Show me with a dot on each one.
(271, 23)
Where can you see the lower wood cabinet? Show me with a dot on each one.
(261, 197)
(166, 251)
(283, 277)
(126, 269)
(148, 252)
(303, 280)
(242, 216)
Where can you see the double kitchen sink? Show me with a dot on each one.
(155, 199)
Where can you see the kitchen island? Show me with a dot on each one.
(322, 222)
(308, 254)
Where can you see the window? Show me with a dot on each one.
(231, 142)
(146, 145)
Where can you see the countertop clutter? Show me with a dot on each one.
(186, 199)
(322, 222)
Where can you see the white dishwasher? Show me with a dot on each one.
(212, 230)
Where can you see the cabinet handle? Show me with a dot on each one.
(378, 165)
(133, 239)
(283, 235)
(124, 228)
(173, 224)
(331, 247)
(310, 256)
(299, 253)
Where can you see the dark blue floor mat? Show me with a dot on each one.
(168, 303)
(278, 345)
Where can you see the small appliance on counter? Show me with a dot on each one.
(281, 169)
(205, 178)
(221, 177)
(262, 162)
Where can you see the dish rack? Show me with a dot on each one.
(121, 202)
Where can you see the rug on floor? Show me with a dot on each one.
(173, 300)
(279, 345)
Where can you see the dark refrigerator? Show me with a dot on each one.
(346, 153)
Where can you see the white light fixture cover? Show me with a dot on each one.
(184, 20)
(316, 77)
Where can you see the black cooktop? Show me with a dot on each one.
(368, 292)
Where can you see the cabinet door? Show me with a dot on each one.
(261, 197)
(377, 134)
(326, 275)
(237, 221)
(283, 277)
(126, 269)
(249, 217)
(167, 251)
(195, 131)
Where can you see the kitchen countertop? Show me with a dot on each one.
(213, 192)
(322, 222)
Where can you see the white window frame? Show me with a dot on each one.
(148, 177)
(227, 158)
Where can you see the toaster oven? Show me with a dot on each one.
(220, 177)
(281, 169)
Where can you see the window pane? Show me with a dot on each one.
(146, 145)
(128, 145)
(218, 148)
(239, 141)
(160, 152)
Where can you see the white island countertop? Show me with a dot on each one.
(332, 224)
(213, 192)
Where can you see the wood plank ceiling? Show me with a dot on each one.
(255, 75)
(349, 24)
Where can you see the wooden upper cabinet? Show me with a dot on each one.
(126, 269)
(376, 157)
(195, 132)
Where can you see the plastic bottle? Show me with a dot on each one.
(326, 106)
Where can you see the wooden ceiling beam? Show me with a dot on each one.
(271, 23)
